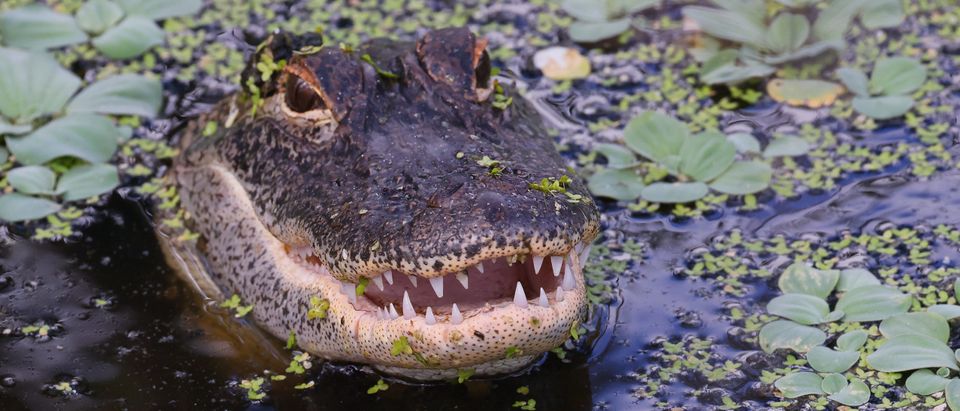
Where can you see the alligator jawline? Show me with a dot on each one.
(485, 287)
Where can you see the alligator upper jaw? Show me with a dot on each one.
(518, 281)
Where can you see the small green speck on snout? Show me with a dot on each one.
(362, 285)
(464, 375)
(318, 308)
(513, 352)
(291, 340)
(234, 304)
(401, 346)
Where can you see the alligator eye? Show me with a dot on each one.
(301, 97)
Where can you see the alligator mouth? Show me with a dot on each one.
(522, 280)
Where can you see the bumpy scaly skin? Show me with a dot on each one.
(391, 184)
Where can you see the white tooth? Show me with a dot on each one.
(480, 267)
(537, 263)
(568, 282)
(378, 281)
(519, 298)
(389, 276)
(559, 295)
(393, 312)
(379, 314)
(584, 255)
(568, 269)
(407, 307)
(431, 320)
(555, 262)
(437, 284)
(413, 280)
(543, 299)
(463, 279)
(455, 317)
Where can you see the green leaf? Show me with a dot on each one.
(953, 394)
(787, 32)
(897, 76)
(656, 136)
(122, 94)
(882, 108)
(788, 334)
(86, 136)
(36, 27)
(744, 142)
(852, 340)
(32, 84)
(917, 323)
(754, 10)
(586, 10)
(878, 14)
(32, 179)
(824, 359)
(925, 382)
(855, 278)
(133, 36)
(799, 384)
(855, 394)
(802, 308)
(912, 352)
(854, 80)
(160, 9)
(834, 20)
(786, 146)
(674, 192)
(873, 303)
(96, 16)
(800, 278)
(18, 129)
(833, 383)
(621, 185)
(722, 68)
(805, 52)
(617, 156)
(87, 181)
(626, 7)
(809, 93)
(744, 177)
(590, 32)
(947, 311)
(18, 207)
(956, 289)
(706, 155)
(727, 25)
(4, 155)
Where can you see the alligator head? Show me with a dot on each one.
(390, 205)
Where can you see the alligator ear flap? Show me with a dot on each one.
(456, 57)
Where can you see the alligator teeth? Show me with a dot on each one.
(430, 320)
(393, 312)
(519, 298)
(413, 280)
(379, 313)
(455, 317)
(389, 276)
(437, 284)
(463, 279)
(407, 307)
(378, 281)
(559, 294)
(543, 299)
(480, 267)
(584, 255)
(568, 282)
(537, 263)
(555, 262)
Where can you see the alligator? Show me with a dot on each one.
(394, 205)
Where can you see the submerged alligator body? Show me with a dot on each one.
(365, 199)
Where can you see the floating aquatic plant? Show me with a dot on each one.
(887, 92)
(604, 19)
(119, 29)
(697, 162)
(762, 43)
(63, 159)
